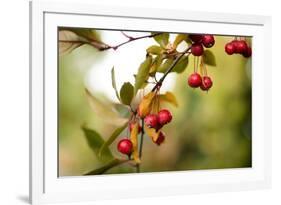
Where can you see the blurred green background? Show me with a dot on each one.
(210, 130)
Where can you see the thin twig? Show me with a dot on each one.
(103, 46)
(127, 36)
(132, 39)
(171, 68)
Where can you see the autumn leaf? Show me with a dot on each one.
(151, 132)
(169, 97)
(179, 38)
(134, 140)
(145, 105)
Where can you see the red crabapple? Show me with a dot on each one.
(208, 41)
(207, 83)
(151, 121)
(197, 49)
(194, 80)
(164, 117)
(125, 146)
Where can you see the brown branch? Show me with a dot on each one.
(103, 46)
(132, 39)
(126, 35)
(159, 83)
(97, 44)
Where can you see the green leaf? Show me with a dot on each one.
(165, 65)
(127, 93)
(107, 111)
(209, 58)
(156, 63)
(170, 98)
(111, 139)
(106, 167)
(95, 141)
(162, 39)
(113, 82)
(143, 73)
(156, 50)
(122, 110)
(179, 38)
(181, 65)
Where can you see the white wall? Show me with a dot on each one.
(14, 101)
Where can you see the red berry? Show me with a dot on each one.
(160, 138)
(208, 41)
(206, 83)
(229, 48)
(240, 46)
(151, 121)
(196, 38)
(197, 49)
(125, 146)
(234, 42)
(164, 117)
(194, 80)
(247, 53)
(131, 125)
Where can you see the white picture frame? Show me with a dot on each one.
(46, 187)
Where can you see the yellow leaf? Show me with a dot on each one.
(169, 97)
(151, 132)
(134, 140)
(179, 39)
(156, 63)
(145, 105)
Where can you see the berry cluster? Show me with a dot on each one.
(195, 80)
(200, 40)
(157, 121)
(239, 47)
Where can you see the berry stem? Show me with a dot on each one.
(141, 139)
(141, 145)
(171, 68)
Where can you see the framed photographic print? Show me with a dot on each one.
(129, 102)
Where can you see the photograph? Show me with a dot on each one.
(134, 101)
